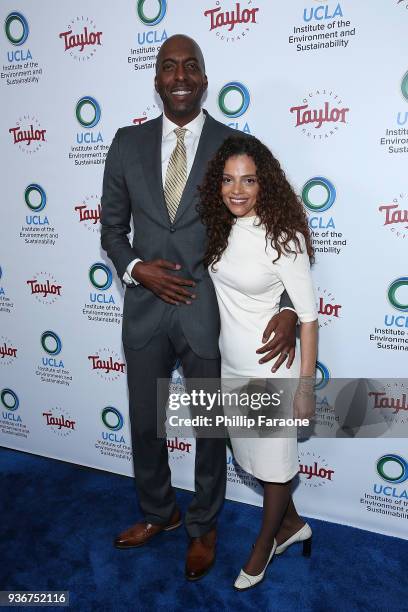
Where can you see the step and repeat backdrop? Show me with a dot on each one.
(325, 85)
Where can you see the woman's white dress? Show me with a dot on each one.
(248, 286)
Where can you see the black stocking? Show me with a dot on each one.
(291, 523)
(275, 504)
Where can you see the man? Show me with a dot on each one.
(170, 310)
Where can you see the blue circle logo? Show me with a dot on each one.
(35, 197)
(9, 399)
(226, 107)
(16, 28)
(100, 276)
(325, 376)
(51, 342)
(309, 194)
(88, 112)
(112, 418)
(154, 19)
(392, 468)
(392, 294)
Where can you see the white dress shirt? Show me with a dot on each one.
(169, 142)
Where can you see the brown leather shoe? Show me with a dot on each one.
(141, 533)
(200, 555)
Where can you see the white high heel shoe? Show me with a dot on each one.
(246, 581)
(303, 535)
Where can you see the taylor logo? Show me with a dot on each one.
(314, 470)
(44, 287)
(89, 213)
(231, 21)
(320, 117)
(395, 215)
(8, 352)
(81, 38)
(178, 448)
(327, 308)
(28, 134)
(60, 422)
(107, 364)
(391, 401)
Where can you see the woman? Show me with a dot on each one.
(259, 245)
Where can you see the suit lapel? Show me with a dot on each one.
(152, 165)
(204, 152)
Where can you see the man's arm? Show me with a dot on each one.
(116, 211)
(115, 221)
(283, 324)
(286, 302)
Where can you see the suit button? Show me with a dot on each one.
(172, 229)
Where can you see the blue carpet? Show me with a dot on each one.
(58, 521)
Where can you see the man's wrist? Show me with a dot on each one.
(128, 277)
(133, 274)
(291, 310)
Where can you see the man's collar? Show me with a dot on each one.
(195, 126)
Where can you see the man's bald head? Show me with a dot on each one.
(176, 41)
(180, 78)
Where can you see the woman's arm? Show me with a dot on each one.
(308, 348)
(304, 404)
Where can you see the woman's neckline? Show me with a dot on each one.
(246, 220)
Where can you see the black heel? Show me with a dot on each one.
(307, 547)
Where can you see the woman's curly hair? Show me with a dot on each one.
(278, 207)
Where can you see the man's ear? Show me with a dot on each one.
(205, 82)
(155, 84)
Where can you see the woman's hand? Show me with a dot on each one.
(304, 402)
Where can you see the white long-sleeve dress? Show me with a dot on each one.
(248, 286)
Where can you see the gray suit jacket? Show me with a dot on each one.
(132, 185)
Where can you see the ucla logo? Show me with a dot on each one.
(88, 112)
(322, 12)
(35, 198)
(9, 399)
(404, 86)
(88, 115)
(233, 102)
(151, 20)
(398, 302)
(16, 28)
(100, 276)
(392, 468)
(151, 37)
(324, 376)
(51, 344)
(318, 195)
(227, 107)
(393, 299)
(113, 420)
